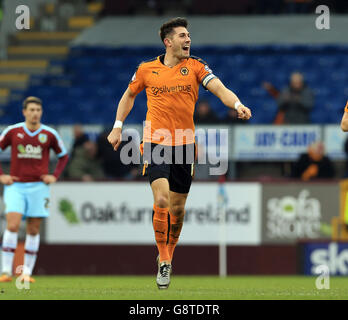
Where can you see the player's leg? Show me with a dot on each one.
(158, 173)
(37, 197)
(31, 246)
(14, 209)
(9, 244)
(177, 203)
(180, 180)
(160, 190)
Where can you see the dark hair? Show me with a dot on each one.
(168, 27)
(31, 100)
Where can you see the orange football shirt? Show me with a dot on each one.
(346, 107)
(171, 97)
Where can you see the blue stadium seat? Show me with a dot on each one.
(96, 77)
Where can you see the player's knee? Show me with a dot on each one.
(33, 230)
(161, 201)
(178, 211)
(12, 226)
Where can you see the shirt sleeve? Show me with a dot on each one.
(346, 107)
(62, 162)
(57, 145)
(204, 73)
(137, 84)
(5, 138)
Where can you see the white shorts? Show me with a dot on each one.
(28, 198)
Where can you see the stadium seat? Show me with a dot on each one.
(95, 78)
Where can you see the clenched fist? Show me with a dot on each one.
(115, 137)
(244, 112)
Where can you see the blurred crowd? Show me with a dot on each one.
(93, 158)
(242, 7)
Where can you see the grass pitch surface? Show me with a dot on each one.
(182, 287)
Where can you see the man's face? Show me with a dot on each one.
(316, 151)
(32, 113)
(296, 81)
(179, 42)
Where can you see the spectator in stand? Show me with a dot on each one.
(314, 164)
(80, 137)
(204, 114)
(296, 101)
(85, 165)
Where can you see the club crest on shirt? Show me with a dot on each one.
(42, 137)
(184, 71)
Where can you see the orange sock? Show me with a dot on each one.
(160, 227)
(174, 233)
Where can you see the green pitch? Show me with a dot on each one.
(200, 287)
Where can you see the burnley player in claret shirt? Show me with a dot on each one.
(26, 192)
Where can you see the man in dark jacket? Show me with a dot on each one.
(296, 101)
(314, 164)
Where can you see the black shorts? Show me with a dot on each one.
(176, 164)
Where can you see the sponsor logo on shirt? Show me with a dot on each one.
(173, 89)
(29, 152)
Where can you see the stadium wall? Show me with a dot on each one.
(140, 260)
(217, 31)
(103, 228)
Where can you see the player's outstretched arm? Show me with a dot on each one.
(124, 107)
(228, 98)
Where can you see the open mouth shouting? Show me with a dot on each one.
(186, 48)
